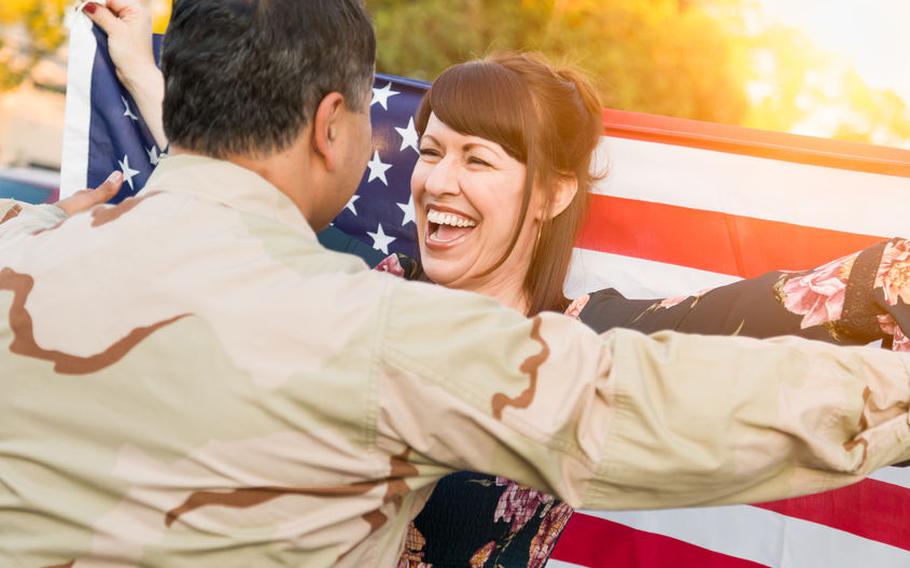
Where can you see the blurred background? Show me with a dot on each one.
(830, 68)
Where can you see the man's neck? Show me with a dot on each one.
(271, 168)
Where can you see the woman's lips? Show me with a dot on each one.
(447, 227)
(446, 235)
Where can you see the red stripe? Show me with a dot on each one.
(709, 240)
(870, 509)
(599, 543)
(759, 143)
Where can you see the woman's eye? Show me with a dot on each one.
(429, 152)
(478, 162)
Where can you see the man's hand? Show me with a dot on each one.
(88, 198)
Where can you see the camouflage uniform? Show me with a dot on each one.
(190, 379)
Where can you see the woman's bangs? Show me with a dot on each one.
(482, 99)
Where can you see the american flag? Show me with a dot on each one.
(686, 206)
(104, 132)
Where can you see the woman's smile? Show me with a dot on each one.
(468, 194)
(447, 227)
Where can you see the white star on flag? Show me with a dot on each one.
(128, 172)
(382, 96)
(408, 136)
(127, 111)
(153, 155)
(350, 204)
(408, 209)
(378, 168)
(381, 241)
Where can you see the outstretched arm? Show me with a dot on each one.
(625, 420)
(19, 219)
(850, 301)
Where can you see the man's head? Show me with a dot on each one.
(280, 86)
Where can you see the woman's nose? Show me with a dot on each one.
(443, 178)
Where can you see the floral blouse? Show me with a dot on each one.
(481, 521)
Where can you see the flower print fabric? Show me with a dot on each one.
(892, 281)
(392, 265)
(893, 275)
(819, 295)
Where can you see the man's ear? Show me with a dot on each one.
(566, 188)
(326, 128)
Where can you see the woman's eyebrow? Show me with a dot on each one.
(471, 145)
(429, 138)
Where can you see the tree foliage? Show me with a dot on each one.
(700, 59)
(33, 30)
(697, 59)
(660, 56)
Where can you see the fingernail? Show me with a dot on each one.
(91, 7)
(115, 177)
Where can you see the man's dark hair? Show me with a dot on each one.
(243, 77)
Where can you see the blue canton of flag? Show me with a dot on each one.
(118, 138)
(381, 213)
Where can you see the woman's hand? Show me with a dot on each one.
(128, 24)
(88, 198)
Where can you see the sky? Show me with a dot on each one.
(871, 34)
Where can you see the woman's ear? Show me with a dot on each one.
(565, 190)
(325, 128)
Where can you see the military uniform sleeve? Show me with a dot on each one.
(624, 420)
(19, 219)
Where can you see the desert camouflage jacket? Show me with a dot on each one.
(189, 379)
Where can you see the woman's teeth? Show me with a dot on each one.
(440, 218)
(447, 227)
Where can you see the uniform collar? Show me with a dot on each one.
(228, 184)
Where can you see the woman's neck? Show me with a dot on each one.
(508, 291)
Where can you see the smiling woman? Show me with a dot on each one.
(500, 191)
(500, 187)
(468, 194)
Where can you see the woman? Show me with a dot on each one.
(500, 191)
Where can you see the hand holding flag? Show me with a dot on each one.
(129, 28)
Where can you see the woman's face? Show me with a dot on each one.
(467, 196)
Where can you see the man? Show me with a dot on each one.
(189, 378)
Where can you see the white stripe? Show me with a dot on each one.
(560, 564)
(812, 196)
(764, 537)
(81, 58)
(635, 277)
(894, 475)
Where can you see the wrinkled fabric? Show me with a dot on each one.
(190, 379)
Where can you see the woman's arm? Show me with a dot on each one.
(128, 25)
(850, 301)
(19, 219)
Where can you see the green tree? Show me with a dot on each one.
(696, 59)
(661, 56)
(713, 60)
(33, 30)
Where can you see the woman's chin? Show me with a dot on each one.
(444, 273)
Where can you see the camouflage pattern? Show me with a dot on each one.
(190, 379)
